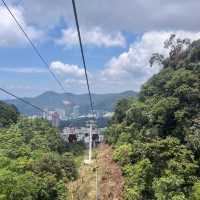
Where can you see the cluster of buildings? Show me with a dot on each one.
(70, 112)
(58, 114)
(51, 116)
(74, 134)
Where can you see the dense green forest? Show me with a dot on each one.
(8, 114)
(35, 164)
(157, 136)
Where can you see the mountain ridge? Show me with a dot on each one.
(52, 100)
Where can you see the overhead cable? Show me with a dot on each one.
(33, 45)
(83, 56)
(22, 100)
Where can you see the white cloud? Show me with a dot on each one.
(128, 15)
(132, 67)
(10, 35)
(95, 36)
(74, 84)
(66, 69)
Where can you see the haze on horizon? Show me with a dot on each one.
(7, 97)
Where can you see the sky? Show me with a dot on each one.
(119, 37)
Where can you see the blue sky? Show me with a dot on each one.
(118, 42)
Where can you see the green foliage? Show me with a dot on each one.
(113, 132)
(123, 153)
(196, 191)
(138, 177)
(137, 115)
(34, 162)
(156, 137)
(8, 114)
(76, 149)
(169, 188)
(120, 109)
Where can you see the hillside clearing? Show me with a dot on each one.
(110, 180)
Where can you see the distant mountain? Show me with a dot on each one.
(52, 100)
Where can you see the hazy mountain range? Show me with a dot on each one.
(52, 100)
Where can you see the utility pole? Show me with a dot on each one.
(89, 161)
(90, 145)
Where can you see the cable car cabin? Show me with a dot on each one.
(95, 139)
(72, 138)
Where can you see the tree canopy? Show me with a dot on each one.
(35, 163)
(8, 114)
(156, 137)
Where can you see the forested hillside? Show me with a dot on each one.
(157, 137)
(34, 162)
(8, 114)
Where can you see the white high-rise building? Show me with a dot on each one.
(55, 119)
